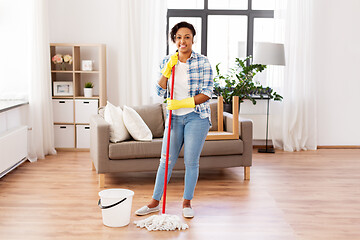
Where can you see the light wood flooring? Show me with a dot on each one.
(301, 195)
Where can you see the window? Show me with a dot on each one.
(190, 4)
(228, 4)
(225, 28)
(14, 45)
(263, 4)
(227, 42)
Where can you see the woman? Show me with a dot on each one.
(190, 121)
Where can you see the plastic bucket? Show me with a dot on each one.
(116, 205)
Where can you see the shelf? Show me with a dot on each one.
(66, 97)
(77, 97)
(82, 97)
(60, 71)
(86, 71)
(76, 45)
(215, 135)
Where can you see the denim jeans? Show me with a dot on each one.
(189, 130)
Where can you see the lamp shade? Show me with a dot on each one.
(269, 53)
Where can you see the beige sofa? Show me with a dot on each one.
(136, 156)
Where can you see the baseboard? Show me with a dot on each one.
(339, 147)
(262, 146)
(318, 147)
(72, 149)
(261, 143)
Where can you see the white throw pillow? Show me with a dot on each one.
(114, 116)
(135, 125)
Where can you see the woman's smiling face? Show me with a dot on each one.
(184, 40)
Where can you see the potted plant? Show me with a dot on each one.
(88, 90)
(239, 82)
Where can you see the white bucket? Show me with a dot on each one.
(116, 206)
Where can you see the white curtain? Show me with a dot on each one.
(40, 105)
(143, 27)
(293, 125)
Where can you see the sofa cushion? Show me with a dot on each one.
(219, 148)
(153, 117)
(135, 149)
(114, 116)
(136, 125)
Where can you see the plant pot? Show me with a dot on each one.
(88, 92)
(228, 107)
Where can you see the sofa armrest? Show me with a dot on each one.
(99, 142)
(245, 134)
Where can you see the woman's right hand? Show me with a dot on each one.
(166, 71)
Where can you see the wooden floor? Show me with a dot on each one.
(302, 195)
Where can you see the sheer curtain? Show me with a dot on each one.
(40, 104)
(143, 27)
(293, 124)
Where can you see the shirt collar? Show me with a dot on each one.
(193, 54)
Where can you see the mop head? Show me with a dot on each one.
(162, 222)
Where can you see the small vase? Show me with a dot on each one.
(63, 67)
(88, 92)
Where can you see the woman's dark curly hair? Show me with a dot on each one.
(181, 25)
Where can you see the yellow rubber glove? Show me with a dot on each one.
(166, 71)
(177, 104)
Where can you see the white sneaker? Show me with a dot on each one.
(188, 212)
(146, 210)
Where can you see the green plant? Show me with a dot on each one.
(239, 82)
(89, 85)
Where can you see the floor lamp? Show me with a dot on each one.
(268, 54)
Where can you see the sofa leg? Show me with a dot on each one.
(246, 173)
(93, 166)
(101, 180)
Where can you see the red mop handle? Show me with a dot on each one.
(168, 140)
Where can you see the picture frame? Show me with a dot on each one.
(86, 65)
(63, 88)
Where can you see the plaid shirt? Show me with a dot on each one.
(200, 80)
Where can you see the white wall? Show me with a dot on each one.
(335, 57)
(336, 66)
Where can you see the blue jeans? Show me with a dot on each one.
(189, 130)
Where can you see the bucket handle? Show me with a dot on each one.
(110, 206)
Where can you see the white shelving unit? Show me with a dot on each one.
(72, 111)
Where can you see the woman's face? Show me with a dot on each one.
(184, 40)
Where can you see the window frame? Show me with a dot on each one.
(204, 13)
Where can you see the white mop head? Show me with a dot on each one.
(162, 222)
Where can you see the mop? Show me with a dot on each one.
(164, 222)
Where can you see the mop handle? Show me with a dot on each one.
(168, 140)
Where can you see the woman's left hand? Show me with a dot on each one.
(177, 104)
